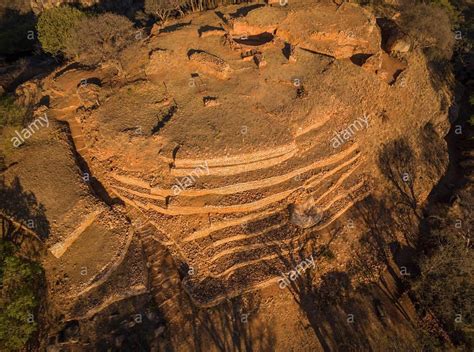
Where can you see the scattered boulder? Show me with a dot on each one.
(292, 57)
(210, 64)
(255, 40)
(260, 60)
(289, 52)
(210, 101)
(384, 66)
(248, 54)
(89, 95)
(305, 213)
(398, 43)
(28, 93)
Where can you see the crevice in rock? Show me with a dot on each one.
(255, 40)
(172, 110)
(388, 28)
(360, 59)
(318, 53)
(90, 80)
(95, 186)
(395, 76)
(73, 66)
(191, 52)
(286, 51)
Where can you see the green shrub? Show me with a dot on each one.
(10, 113)
(18, 298)
(99, 38)
(55, 28)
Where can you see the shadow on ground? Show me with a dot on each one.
(21, 208)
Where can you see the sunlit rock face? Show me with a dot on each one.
(236, 143)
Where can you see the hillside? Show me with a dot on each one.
(231, 182)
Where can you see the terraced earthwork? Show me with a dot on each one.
(222, 147)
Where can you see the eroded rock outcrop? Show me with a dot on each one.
(225, 158)
(340, 32)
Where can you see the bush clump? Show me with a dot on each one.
(99, 38)
(11, 114)
(431, 28)
(451, 10)
(162, 9)
(19, 279)
(55, 28)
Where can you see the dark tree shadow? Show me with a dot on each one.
(397, 163)
(20, 212)
(327, 306)
(432, 154)
(175, 27)
(444, 167)
(337, 312)
(19, 49)
(378, 218)
(207, 28)
(232, 326)
(380, 244)
(243, 11)
(17, 33)
(221, 16)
